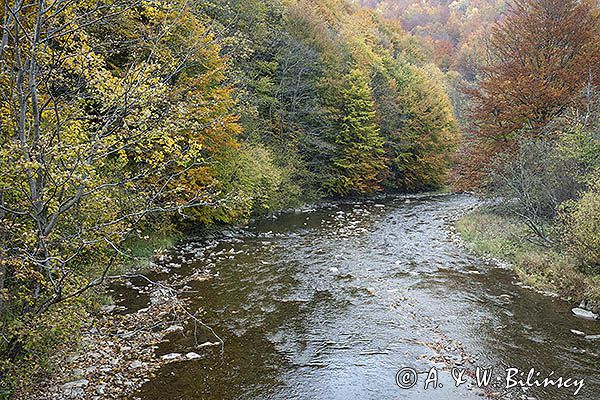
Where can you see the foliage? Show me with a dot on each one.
(543, 55)
(359, 164)
(110, 124)
(547, 269)
(290, 92)
(247, 182)
(533, 182)
(581, 226)
(119, 118)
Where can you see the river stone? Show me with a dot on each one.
(578, 333)
(174, 328)
(77, 373)
(75, 384)
(592, 337)
(171, 356)
(581, 313)
(74, 389)
(206, 344)
(192, 356)
(108, 308)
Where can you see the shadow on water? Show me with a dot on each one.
(330, 303)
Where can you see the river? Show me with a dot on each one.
(331, 302)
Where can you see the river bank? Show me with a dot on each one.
(550, 270)
(112, 353)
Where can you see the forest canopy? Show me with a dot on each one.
(121, 118)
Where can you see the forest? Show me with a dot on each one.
(127, 124)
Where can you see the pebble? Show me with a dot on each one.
(136, 364)
(174, 328)
(108, 308)
(206, 344)
(581, 313)
(100, 389)
(77, 373)
(171, 356)
(74, 389)
(192, 356)
(76, 384)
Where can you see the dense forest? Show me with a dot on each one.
(124, 118)
(122, 121)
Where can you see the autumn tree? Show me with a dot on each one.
(543, 54)
(359, 163)
(109, 113)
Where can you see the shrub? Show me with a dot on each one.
(581, 226)
(534, 181)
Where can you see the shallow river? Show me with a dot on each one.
(330, 303)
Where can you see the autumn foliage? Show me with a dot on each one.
(543, 54)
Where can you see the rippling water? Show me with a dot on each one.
(330, 303)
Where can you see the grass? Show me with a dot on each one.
(142, 249)
(548, 269)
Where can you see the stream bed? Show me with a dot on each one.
(331, 302)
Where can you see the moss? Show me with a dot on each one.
(549, 269)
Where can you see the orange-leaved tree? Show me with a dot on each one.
(543, 54)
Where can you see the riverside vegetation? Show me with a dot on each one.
(124, 123)
(534, 147)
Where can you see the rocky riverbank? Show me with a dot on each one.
(117, 352)
(547, 269)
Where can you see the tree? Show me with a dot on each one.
(110, 112)
(359, 164)
(543, 54)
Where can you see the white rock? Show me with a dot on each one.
(580, 312)
(75, 385)
(592, 337)
(100, 389)
(578, 333)
(108, 308)
(136, 364)
(174, 328)
(206, 344)
(334, 270)
(77, 373)
(79, 383)
(171, 356)
(192, 356)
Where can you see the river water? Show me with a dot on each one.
(331, 302)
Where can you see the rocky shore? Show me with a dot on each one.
(117, 351)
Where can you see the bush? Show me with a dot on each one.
(581, 226)
(247, 181)
(534, 181)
